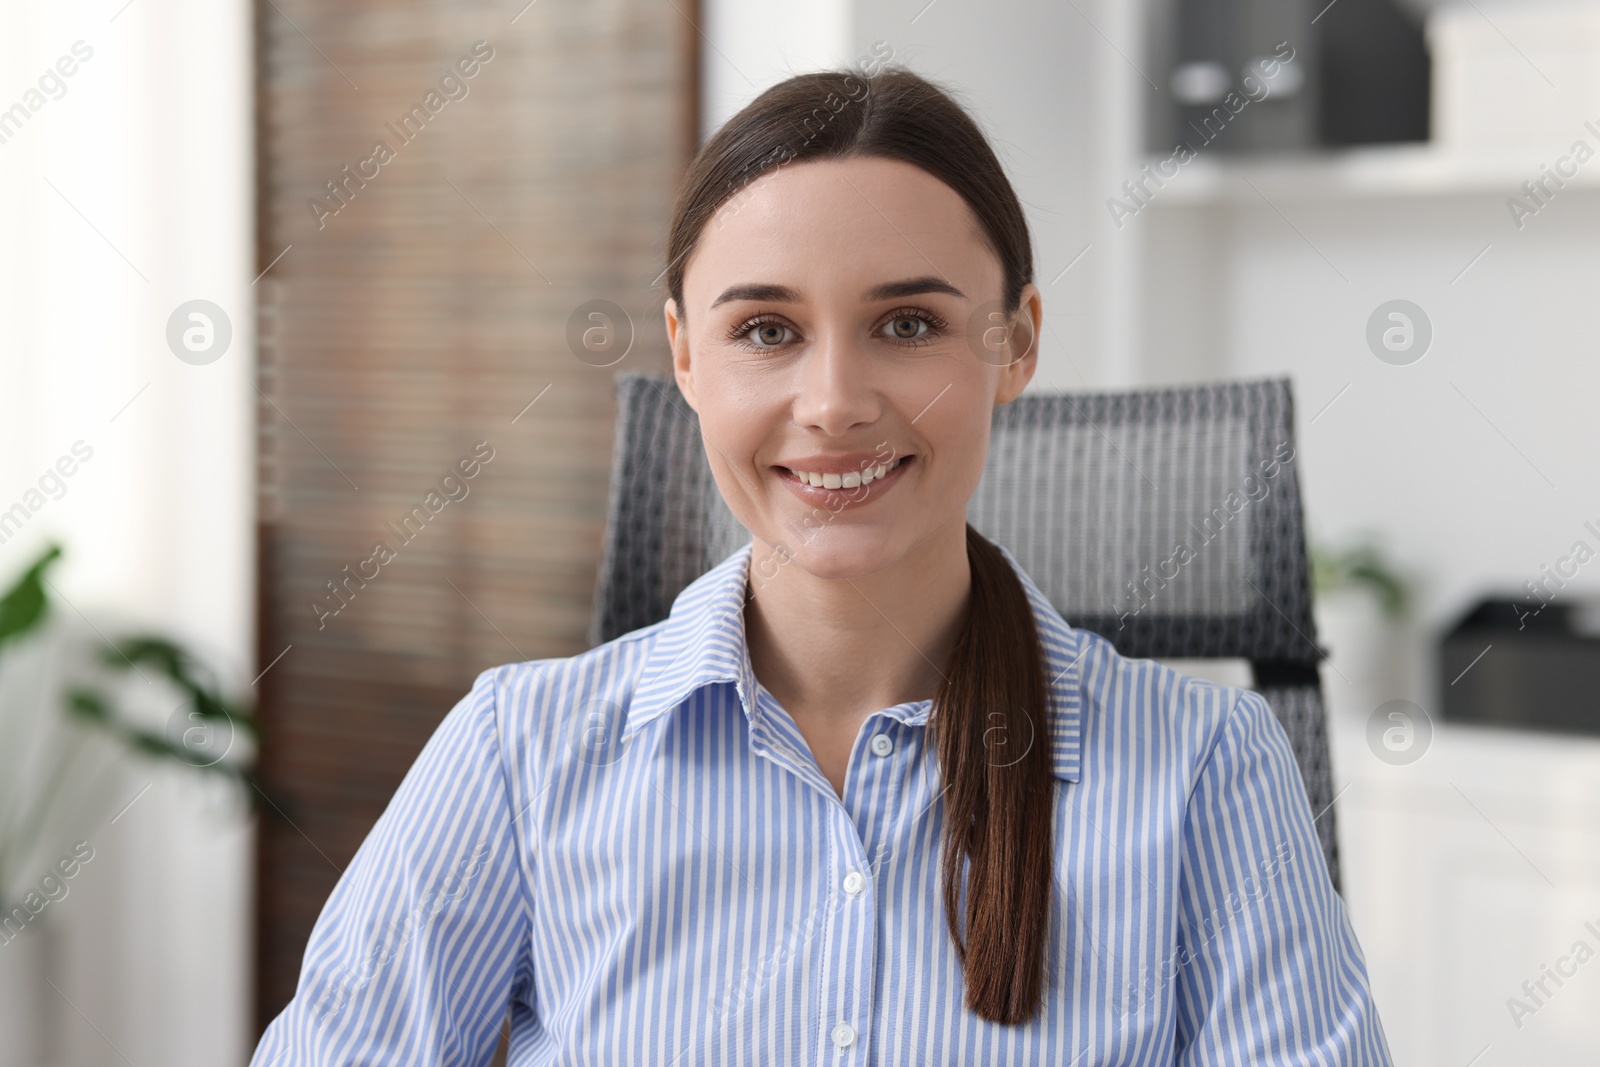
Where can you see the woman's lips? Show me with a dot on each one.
(843, 499)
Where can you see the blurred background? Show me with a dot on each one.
(293, 371)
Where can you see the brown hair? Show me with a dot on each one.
(989, 723)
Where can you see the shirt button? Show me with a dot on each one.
(882, 745)
(844, 1035)
(854, 883)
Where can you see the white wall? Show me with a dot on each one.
(124, 198)
(1478, 460)
(747, 47)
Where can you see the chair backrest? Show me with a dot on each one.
(1167, 520)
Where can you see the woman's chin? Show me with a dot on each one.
(835, 554)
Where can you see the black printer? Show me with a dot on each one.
(1524, 663)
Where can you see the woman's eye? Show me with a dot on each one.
(769, 334)
(913, 328)
(760, 334)
(907, 328)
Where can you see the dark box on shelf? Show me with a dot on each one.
(1521, 663)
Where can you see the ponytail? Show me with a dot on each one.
(990, 728)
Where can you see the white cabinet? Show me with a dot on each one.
(1468, 873)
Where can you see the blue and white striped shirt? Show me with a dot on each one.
(633, 851)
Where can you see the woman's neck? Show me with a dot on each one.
(834, 650)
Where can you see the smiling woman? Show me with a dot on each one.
(822, 350)
(864, 796)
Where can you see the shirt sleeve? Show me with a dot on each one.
(424, 940)
(1268, 967)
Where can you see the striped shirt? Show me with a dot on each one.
(633, 852)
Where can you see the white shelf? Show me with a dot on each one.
(1359, 173)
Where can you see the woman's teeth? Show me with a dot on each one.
(849, 479)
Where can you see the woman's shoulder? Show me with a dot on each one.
(606, 671)
(539, 702)
(1127, 695)
(1111, 698)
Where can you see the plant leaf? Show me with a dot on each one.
(89, 705)
(24, 606)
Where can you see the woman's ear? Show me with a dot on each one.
(678, 340)
(1025, 333)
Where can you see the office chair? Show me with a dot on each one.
(1092, 493)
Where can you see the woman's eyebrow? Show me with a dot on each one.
(886, 291)
(772, 294)
(911, 287)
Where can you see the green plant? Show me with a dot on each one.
(24, 608)
(1361, 566)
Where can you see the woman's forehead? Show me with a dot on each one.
(836, 228)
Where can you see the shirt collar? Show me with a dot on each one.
(702, 642)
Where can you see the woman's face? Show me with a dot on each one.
(841, 326)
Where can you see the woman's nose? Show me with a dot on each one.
(834, 391)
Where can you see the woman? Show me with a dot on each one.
(864, 797)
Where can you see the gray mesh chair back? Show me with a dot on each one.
(1167, 520)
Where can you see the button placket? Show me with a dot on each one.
(849, 974)
(851, 950)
